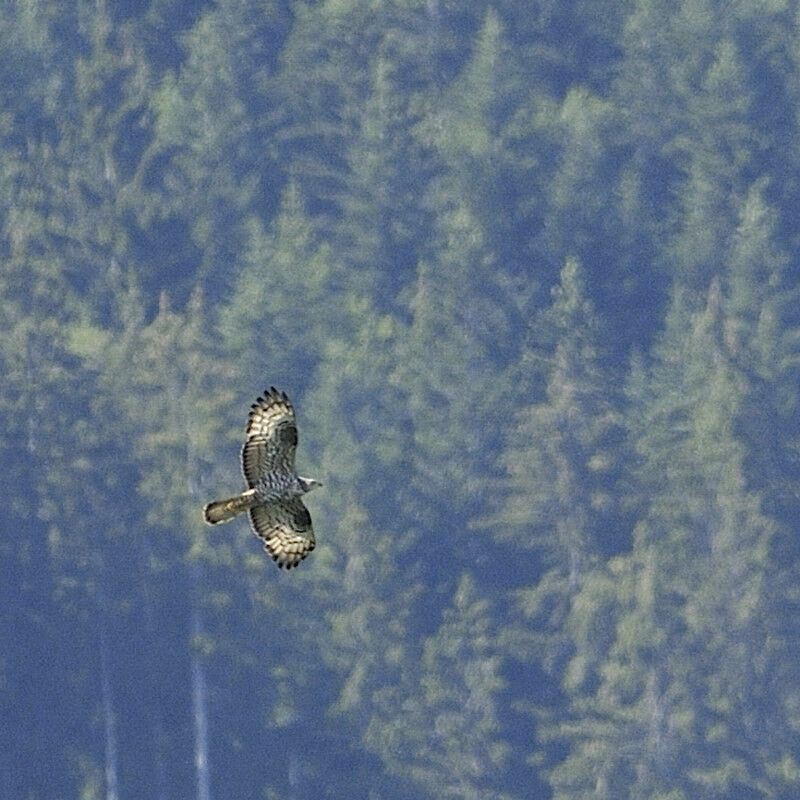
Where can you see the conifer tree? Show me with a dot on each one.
(684, 675)
(280, 312)
(558, 499)
(438, 726)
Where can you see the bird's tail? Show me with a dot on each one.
(224, 510)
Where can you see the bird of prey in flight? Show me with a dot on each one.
(272, 498)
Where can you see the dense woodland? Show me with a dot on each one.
(529, 272)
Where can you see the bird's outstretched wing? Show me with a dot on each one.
(286, 530)
(271, 437)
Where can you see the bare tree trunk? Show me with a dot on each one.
(109, 715)
(199, 695)
(160, 743)
(161, 762)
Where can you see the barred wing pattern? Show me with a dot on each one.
(271, 438)
(286, 530)
(272, 498)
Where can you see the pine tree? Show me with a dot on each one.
(439, 726)
(558, 499)
(682, 682)
(280, 312)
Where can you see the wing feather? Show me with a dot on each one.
(271, 437)
(286, 530)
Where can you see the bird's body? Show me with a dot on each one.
(277, 514)
(274, 487)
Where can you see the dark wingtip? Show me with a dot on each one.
(276, 394)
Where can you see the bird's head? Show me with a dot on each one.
(308, 483)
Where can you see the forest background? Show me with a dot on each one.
(528, 271)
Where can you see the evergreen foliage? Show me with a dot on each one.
(528, 272)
